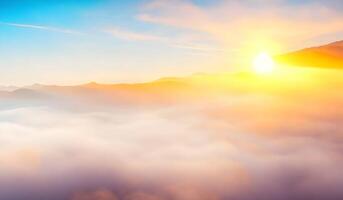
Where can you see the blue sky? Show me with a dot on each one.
(72, 42)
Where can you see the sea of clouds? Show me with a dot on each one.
(234, 146)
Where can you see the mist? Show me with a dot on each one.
(232, 143)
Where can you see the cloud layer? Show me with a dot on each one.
(246, 142)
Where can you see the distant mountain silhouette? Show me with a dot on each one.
(163, 91)
(325, 56)
(168, 91)
(8, 88)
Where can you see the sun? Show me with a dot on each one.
(263, 63)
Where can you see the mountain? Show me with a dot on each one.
(170, 91)
(325, 56)
(164, 91)
(8, 88)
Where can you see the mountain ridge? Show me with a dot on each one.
(322, 56)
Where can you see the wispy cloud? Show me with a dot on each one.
(197, 47)
(175, 41)
(133, 36)
(40, 27)
(256, 21)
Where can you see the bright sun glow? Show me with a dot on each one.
(263, 64)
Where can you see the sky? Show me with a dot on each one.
(210, 136)
(72, 42)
